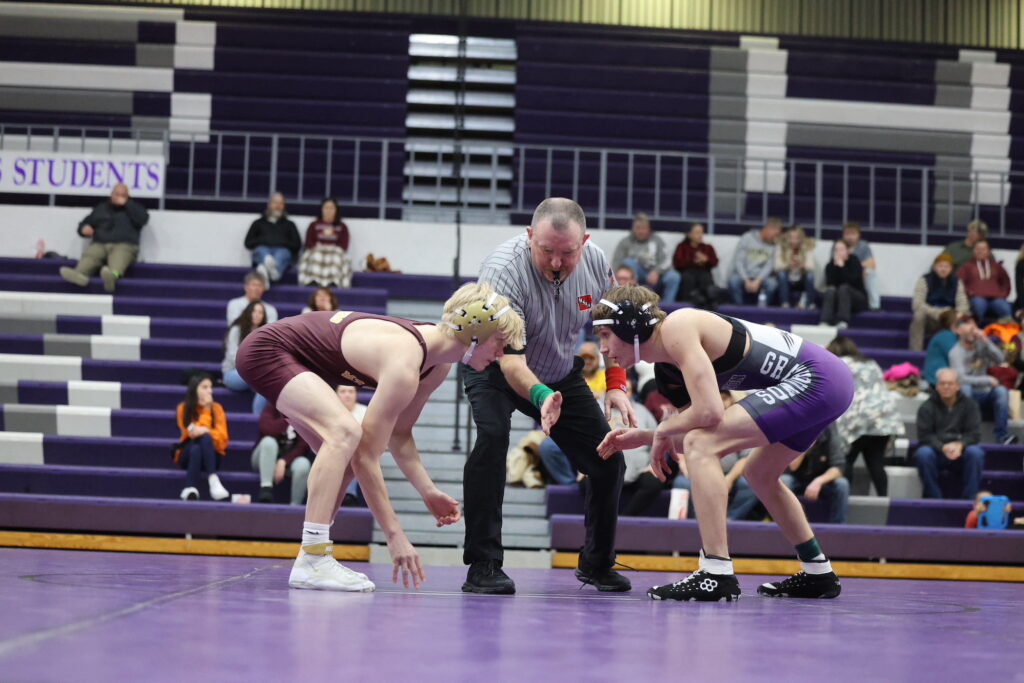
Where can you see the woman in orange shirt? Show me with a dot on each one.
(204, 437)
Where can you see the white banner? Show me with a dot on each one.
(87, 173)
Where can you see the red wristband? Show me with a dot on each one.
(615, 378)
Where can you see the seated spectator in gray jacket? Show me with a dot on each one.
(948, 432)
(646, 253)
(280, 451)
(752, 264)
(274, 241)
(971, 357)
(818, 473)
(254, 316)
(114, 227)
(936, 291)
(254, 291)
(862, 250)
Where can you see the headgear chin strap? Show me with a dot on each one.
(476, 323)
(629, 323)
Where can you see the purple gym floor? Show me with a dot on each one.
(92, 616)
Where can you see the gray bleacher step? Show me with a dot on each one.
(431, 459)
(417, 310)
(507, 510)
(440, 475)
(478, 171)
(447, 98)
(446, 195)
(447, 47)
(424, 538)
(513, 494)
(435, 145)
(442, 416)
(448, 74)
(526, 526)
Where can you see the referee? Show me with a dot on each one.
(553, 278)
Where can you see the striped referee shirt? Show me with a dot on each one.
(554, 314)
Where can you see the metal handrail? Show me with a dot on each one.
(737, 188)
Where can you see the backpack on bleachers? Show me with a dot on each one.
(996, 515)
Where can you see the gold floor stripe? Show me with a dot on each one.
(865, 570)
(174, 546)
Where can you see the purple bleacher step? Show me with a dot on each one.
(190, 309)
(879, 339)
(149, 271)
(187, 289)
(132, 452)
(841, 541)
(144, 372)
(140, 396)
(929, 512)
(134, 515)
(241, 426)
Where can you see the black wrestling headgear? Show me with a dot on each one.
(630, 324)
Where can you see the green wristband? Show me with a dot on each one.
(539, 393)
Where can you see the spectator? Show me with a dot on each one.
(794, 268)
(937, 354)
(936, 292)
(624, 275)
(1018, 280)
(971, 357)
(204, 438)
(350, 399)
(818, 473)
(753, 262)
(872, 420)
(322, 299)
(592, 372)
(862, 250)
(254, 291)
(254, 316)
(981, 504)
(986, 283)
(325, 261)
(948, 432)
(962, 251)
(844, 287)
(639, 482)
(274, 241)
(695, 259)
(114, 226)
(647, 255)
(280, 450)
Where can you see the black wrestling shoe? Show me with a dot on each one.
(701, 586)
(608, 581)
(803, 585)
(486, 576)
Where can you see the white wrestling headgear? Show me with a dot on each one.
(630, 323)
(476, 323)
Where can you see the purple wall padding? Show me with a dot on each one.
(852, 542)
(158, 517)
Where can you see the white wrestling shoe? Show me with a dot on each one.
(217, 490)
(324, 573)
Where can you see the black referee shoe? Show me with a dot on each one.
(608, 581)
(803, 585)
(487, 577)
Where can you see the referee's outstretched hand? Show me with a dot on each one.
(550, 412)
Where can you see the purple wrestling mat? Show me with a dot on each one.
(92, 616)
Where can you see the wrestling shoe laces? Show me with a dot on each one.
(803, 585)
(701, 586)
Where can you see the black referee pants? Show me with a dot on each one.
(578, 432)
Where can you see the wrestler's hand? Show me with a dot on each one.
(405, 561)
(623, 440)
(444, 508)
(550, 411)
(660, 447)
(619, 400)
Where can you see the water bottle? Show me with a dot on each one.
(762, 299)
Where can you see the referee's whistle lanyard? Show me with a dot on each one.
(558, 286)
